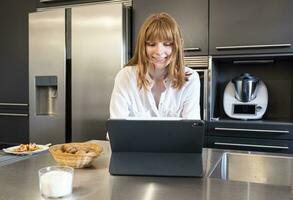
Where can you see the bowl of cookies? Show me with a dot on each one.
(76, 155)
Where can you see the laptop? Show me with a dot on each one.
(156, 147)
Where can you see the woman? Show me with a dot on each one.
(155, 82)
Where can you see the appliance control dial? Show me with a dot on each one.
(258, 108)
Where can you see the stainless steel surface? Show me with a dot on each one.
(46, 99)
(246, 94)
(88, 41)
(196, 61)
(253, 46)
(245, 87)
(211, 89)
(266, 169)
(251, 145)
(252, 61)
(126, 32)
(7, 159)
(14, 114)
(20, 181)
(252, 130)
(47, 57)
(127, 3)
(112, 0)
(13, 104)
(191, 49)
(97, 56)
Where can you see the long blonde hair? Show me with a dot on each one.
(163, 27)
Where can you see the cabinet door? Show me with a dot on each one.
(14, 129)
(250, 27)
(266, 130)
(14, 50)
(248, 144)
(14, 125)
(191, 15)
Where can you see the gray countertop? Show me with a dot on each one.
(20, 181)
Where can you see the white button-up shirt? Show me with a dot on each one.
(129, 101)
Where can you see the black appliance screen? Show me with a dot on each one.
(244, 109)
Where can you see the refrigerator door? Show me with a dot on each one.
(97, 56)
(47, 76)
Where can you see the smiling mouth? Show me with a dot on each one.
(159, 59)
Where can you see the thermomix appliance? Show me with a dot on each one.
(245, 97)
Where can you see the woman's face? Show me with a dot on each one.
(158, 53)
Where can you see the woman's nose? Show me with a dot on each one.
(159, 48)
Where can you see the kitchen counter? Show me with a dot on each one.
(6, 159)
(20, 181)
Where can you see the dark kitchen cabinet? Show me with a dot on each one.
(251, 135)
(274, 70)
(250, 27)
(14, 126)
(252, 129)
(191, 15)
(248, 144)
(14, 50)
(14, 130)
(274, 131)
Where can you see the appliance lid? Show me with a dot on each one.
(245, 76)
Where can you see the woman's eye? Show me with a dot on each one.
(150, 43)
(167, 43)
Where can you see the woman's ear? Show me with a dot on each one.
(182, 41)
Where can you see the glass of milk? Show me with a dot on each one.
(56, 181)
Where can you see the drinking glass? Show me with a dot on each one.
(56, 181)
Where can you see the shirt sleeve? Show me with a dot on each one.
(119, 99)
(191, 104)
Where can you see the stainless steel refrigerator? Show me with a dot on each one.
(74, 55)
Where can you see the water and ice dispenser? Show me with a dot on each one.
(46, 95)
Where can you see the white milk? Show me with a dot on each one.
(56, 183)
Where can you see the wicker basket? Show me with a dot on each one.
(75, 160)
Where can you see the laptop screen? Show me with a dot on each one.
(163, 136)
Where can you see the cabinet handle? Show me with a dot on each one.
(252, 130)
(14, 114)
(254, 46)
(191, 49)
(252, 61)
(251, 145)
(44, 1)
(13, 104)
